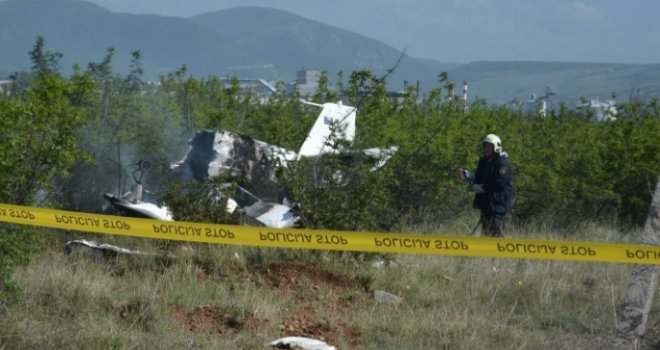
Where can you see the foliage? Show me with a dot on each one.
(39, 145)
(566, 165)
(128, 121)
(39, 135)
(201, 202)
(18, 244)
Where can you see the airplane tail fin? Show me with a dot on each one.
(337, 114)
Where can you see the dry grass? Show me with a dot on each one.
(240, 298)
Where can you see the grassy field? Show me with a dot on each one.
(195, 296)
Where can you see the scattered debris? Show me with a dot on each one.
(300, 343)
(101, 250)
(212, 153)
(131, 204)
(269, 214)
(139, 209)
(383, 263)
(385, 297)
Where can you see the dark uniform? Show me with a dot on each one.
(494, 174)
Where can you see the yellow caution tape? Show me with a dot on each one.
(332, 240)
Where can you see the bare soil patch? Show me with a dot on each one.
(213, 319)
(290, 275)
(306, 323)
(287, 277)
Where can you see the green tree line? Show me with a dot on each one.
(68, 139)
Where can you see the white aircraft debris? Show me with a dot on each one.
(131, 204)
(301, 343)
(385, 297)
(100, 250)
(139, 209)
(268, 213)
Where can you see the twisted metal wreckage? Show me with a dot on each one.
(213, 153)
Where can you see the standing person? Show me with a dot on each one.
(492, 184)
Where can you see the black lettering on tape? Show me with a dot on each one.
(77, 220)
(331, 239)
(644, 254)
(577, 251)
(213, 232)
(527, 248)
(288, 237)
(402, 242)
(182, 230)
(116, 224)
(450, 244)
(21, 214)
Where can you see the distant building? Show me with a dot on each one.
(536, 105)
(539, 105)
(306, 85)
(6, 87)
(602, 111)
(307, 81)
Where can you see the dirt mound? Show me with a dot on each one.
(288, 277)
(213, 319)
(306, 323)
(294, 276)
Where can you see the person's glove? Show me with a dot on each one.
(465, 175)
(478, 188)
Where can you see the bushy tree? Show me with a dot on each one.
(39, 145)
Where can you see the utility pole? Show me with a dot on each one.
(465, 98)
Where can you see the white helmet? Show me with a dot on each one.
(495, 141)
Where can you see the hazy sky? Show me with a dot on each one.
(469, 30)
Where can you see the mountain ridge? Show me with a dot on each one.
(259, 42)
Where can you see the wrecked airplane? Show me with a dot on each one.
(240, 156)
(214, 153)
